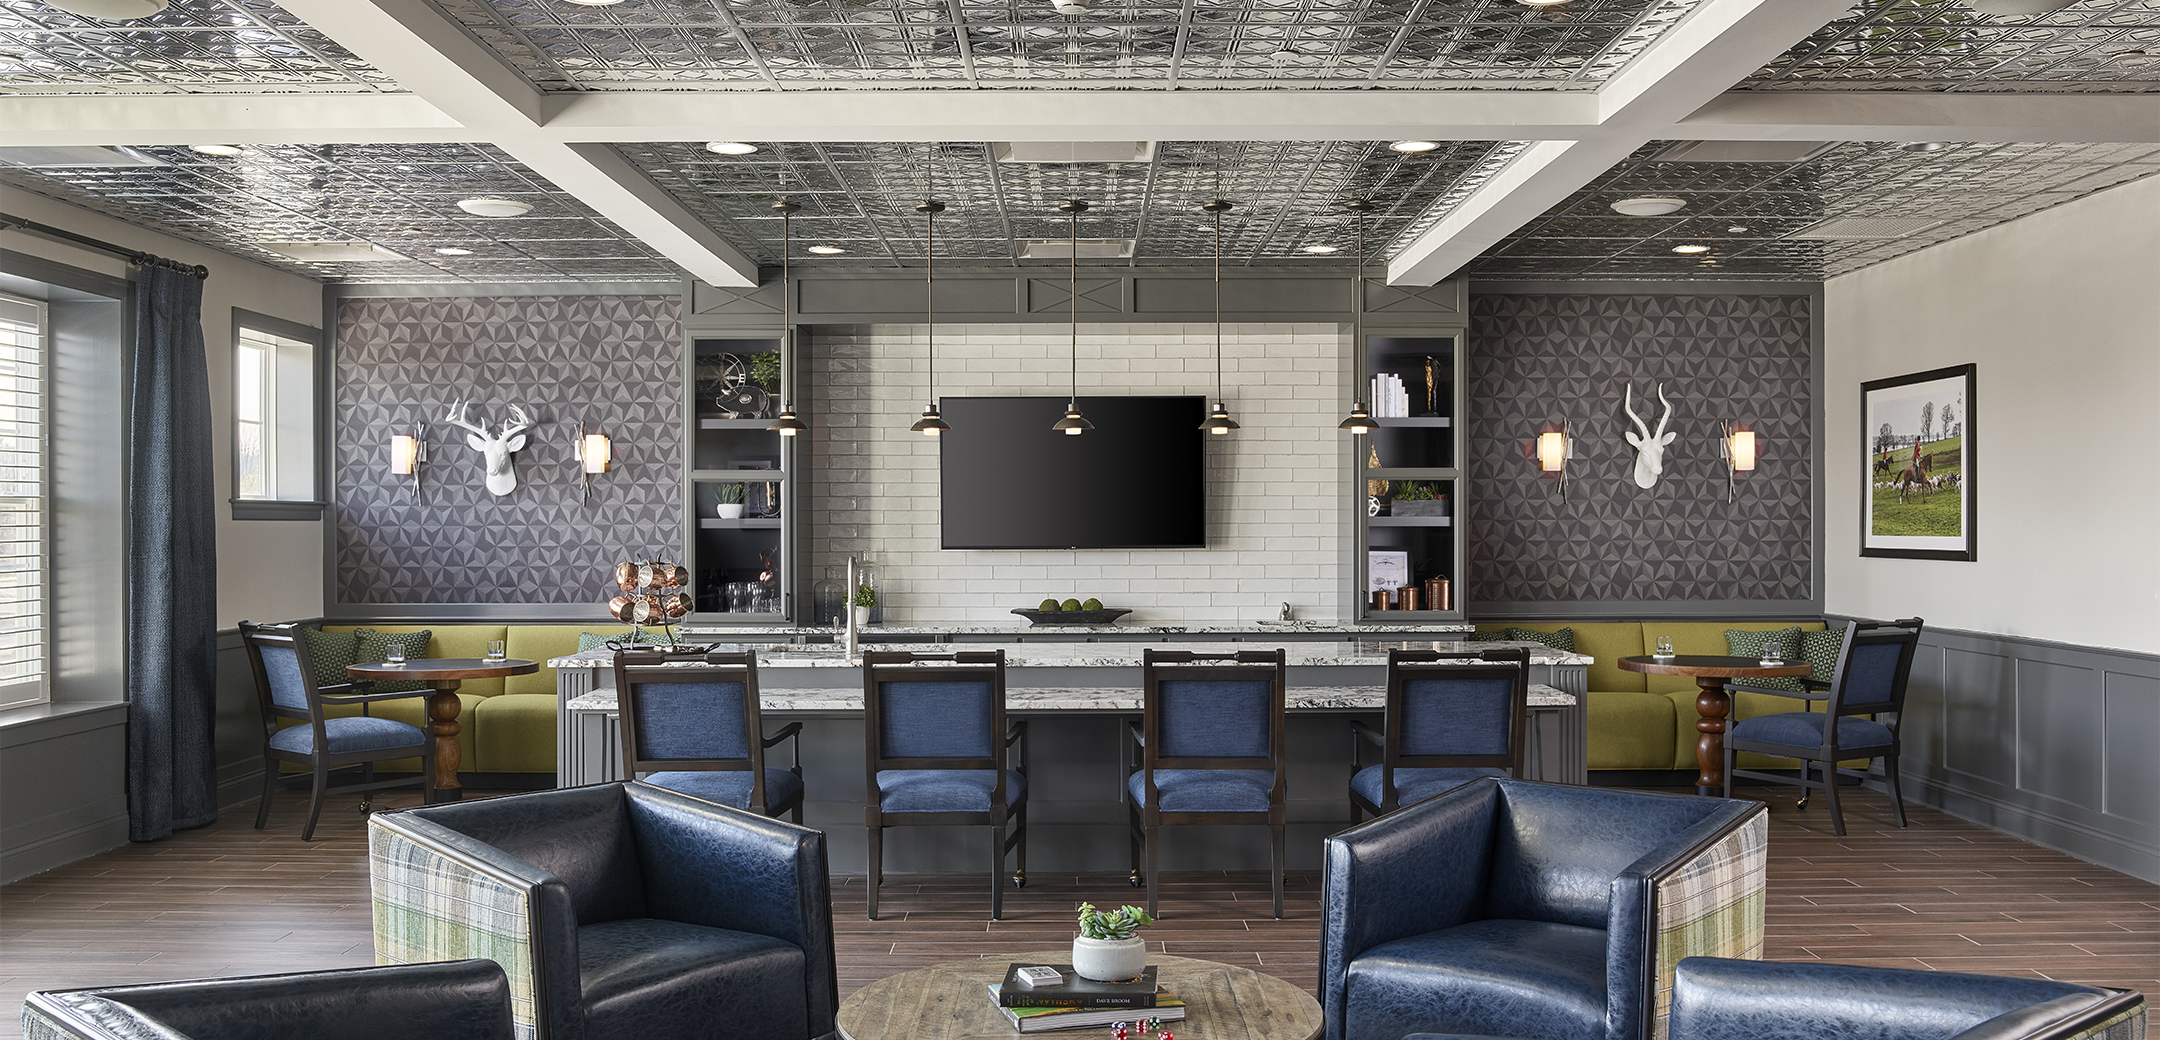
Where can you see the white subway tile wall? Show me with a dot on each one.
(1275, 523)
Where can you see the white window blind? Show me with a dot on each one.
(22, 502)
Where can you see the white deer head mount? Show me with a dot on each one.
(501, 476)
(1649, 447)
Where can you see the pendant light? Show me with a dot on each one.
(931, 424)
(1218, 421)
(787, 425)
(1074, 424)
(1358, 422)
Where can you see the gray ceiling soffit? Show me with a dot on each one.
(401, 197)
(2098, 46)
(1134, 44)
(194, 47)
(1966, 187)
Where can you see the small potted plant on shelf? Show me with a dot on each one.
(1417, 498)
(1109, 947)
(865, 599)
(731, 502)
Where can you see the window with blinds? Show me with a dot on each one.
(273, 413)
(22, 502)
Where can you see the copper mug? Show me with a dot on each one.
(1382, 599)
(1408, 595)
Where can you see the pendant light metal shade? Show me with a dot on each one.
(787, 425)
(931, 424)
(1358, 422)
(1218, 421)
(1074, 424)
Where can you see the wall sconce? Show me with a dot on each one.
(1551, 449)
(595, 454)
(1738, 446)
(408, 454)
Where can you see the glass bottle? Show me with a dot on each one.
(827, 596)
(866, 577)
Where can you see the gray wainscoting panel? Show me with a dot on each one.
(2130, 746)
(62, 786)
(2050, 742)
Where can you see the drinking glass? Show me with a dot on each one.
(394, 654)
(738, 597)
(495, 650)
(1664, 647)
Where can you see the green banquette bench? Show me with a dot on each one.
(1642, 721)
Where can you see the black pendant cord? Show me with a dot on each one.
(929, 291)
(1218, 308)
(1072, 290)
(1359, 421)
(787, 425)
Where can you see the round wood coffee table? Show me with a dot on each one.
(1713, 704)
(444, 674)
(952, 1002)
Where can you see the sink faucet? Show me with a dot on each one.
(849, 632)
(1285, 612)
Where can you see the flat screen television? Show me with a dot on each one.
(1135, 481)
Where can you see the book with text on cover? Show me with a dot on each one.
(1078, 992)
(1046, 1019)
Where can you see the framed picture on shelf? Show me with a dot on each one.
(1917, 494)
(1386, 570)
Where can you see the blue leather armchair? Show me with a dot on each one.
(1509, 907)
(1719, 999)
(621, 911)
(452, 1000)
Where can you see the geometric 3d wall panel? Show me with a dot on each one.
(1542, 358)
(612, 361)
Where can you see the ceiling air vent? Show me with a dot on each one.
(75, 155)
(1090, 249)
(1842, 229)
(1073, 151)
(1743, 151)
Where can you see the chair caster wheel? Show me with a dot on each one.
(1019, 879)
(1136, 880)
(1802, 803)
(367, 805)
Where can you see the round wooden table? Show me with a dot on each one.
(1713, 704)
(952, 1002)
(444, 674)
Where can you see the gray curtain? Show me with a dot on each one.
(172, 563)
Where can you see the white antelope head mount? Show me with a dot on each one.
(1649, 447)
(501, 476)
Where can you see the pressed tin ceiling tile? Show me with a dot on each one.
(2102, 46)
(196, 47)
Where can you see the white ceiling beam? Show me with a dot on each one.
(433, 56)
(1915, 116)
(1695, 61)
(108, 119)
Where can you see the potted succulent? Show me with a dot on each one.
(865, 599)
(731, 502)
(1109, 947)
(1416, 498)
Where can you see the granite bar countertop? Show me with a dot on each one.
(1100, 655)
(708, 631)
(1069, 698)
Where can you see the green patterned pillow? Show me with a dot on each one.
(371, 646)
(328, 653)
(1559, 639)
(1783, 643)
(1820, 649)
(599, 640)
(1494, 635)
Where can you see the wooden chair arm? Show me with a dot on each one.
(788, 731)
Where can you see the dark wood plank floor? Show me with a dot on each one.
(230, 900)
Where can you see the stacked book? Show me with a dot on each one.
(1390, 398)
(1072, 1002)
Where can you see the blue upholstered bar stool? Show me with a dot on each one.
(1208, 749)
(1444, 725)
(690, 724)
(939, 753)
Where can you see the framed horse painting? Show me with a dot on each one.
(1917, 501)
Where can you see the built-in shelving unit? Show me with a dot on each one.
(1421, 451)
(735, 382)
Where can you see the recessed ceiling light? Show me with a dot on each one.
(1322, 249)
(109, 10)
(1286, 52)
(1069, 6)
(1922, 146)
(217, 149)
(453, 250)
(1414, 147)
(491, 207)
(827, 250)
(1737, 229)
(596, 3)
(1691, 249)
(1541, 3)
(1649, 206)
(730, 147)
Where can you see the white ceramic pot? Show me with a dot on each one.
(862, 616)
(730, 511)
(1109, 960)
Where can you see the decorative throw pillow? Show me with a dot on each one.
(1559, 639)
(1494, 635)
(370, 645)
(1820, 649)
(328, 653)
(599, 640)
(1782, 643)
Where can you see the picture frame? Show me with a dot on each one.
(1386, 570)
(1917, 492)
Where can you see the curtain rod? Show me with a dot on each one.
(9, 220)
